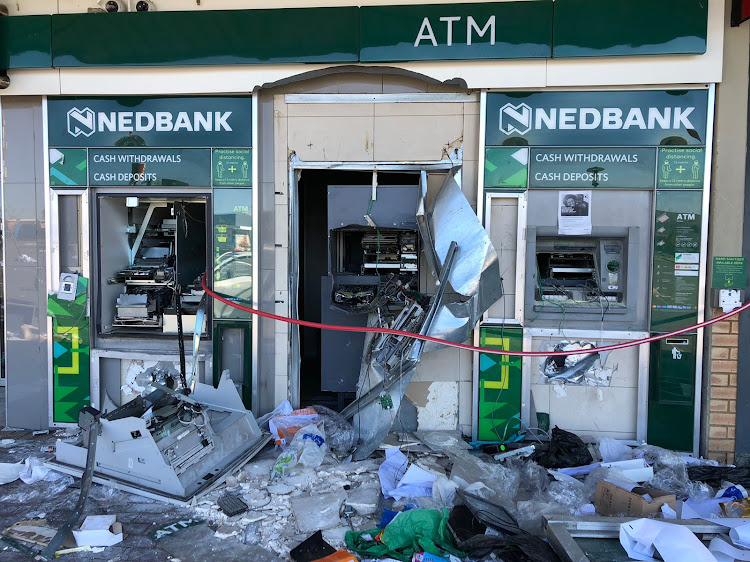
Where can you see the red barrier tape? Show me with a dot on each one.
(375, 330)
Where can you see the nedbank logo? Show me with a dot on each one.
(86, 122)
(515, 119)
(520, 118)
(81, 122)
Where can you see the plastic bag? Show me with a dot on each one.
(444, 491)
(715, 475)
(674, 481)
(484, 479)
(9, 472)
(308, 448)
(284, 428)
(34, 470)
(533, 479)
(416, 530)
(565, 449)
(661, 458)
(518, 548)
(611, 450)
(283, 409)
(567, 494)
(339, 432)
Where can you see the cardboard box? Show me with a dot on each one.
(99, 530)
(613, 500)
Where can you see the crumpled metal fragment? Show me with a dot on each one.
(473, 272)
(476, 273)
(586, 368)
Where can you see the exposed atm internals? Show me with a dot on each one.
(579, 274)
(150, 247)
(373, 251)
(373, 267)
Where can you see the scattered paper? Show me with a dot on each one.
(725, 552)
(397, 481)
(740, 535)
(642, 538)
(668, 513)
(636, 469)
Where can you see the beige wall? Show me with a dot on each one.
(725, 239)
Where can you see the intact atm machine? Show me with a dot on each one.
(373, 262)
(583, 290)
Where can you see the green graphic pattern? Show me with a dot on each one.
(499, 385)
(67, 167)
(506, 167)
(70, 354)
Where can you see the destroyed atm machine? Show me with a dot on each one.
(599, 242)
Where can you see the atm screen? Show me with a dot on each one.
(580, 274)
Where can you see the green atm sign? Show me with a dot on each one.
(492, 30)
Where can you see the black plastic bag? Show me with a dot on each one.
(565, 449)
(715, 475)
(516, 548)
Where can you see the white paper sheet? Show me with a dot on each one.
(725, 552)
(643, 537)
(740, 535)
(397, 481)
(574, 212)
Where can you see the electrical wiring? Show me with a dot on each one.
(468, 347)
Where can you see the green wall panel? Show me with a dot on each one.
(25, 42)
(408, 33)
(595, 28)
(307, 35)
(71, 366)
(499, 400)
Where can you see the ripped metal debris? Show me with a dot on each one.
(459, 249)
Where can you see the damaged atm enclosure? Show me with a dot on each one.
(593, 279)
(365, 260)
(148, 446)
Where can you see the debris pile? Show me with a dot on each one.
(430, 497)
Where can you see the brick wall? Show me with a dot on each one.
(723, 390)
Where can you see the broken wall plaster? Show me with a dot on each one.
(441, 410)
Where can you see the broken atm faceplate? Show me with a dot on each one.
(582, 274)
(169, 446)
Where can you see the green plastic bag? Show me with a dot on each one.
(416, 530)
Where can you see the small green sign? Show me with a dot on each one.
(67, 167)
(506, 167)
(232, 167)
(729, 273)
(681, 168)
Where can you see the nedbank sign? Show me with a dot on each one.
(182, 121)
(632, 118)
